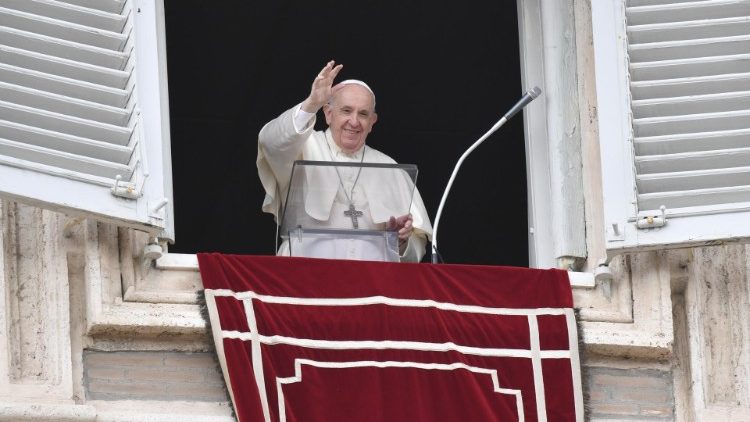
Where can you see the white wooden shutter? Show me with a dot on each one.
(83, 104)
(673, 87)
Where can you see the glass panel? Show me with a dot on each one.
(331, 200)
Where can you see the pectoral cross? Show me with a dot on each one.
(353, 213)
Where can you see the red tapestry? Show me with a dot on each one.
(304, 339)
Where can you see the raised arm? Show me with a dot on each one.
(282, 137)
(281, 140)
(322, 87)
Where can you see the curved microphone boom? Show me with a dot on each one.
(528, 97)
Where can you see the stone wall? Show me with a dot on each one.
(81, 309)
(166, 376)
(114, 326)
(89, 326)
(86, 325)
(644, 394)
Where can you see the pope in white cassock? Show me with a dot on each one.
(349, 109)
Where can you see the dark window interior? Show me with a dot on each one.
(443, 72)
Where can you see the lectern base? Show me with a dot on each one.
(364, 245)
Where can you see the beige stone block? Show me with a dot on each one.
(656, 410)
(620, 409)
(644, 395)
(214, 375)
(106, 373)
(625, 381)
(165, 375)
(597, 396)
(128, 388)
(202, 360)
(124, 359)
(205, 391)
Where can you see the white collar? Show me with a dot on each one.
(336, 151)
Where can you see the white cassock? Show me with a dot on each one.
(280, 144)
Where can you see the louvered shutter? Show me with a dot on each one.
(673, 88)
(83, 119)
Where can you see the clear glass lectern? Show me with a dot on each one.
(342, 210)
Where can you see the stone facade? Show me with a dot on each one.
(92, 332)
(643, 393)
(164, 376)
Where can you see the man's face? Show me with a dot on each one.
(350, 115)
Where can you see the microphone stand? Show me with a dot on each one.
(523, 102)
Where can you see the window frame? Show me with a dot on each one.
(556, 230)
(541, 233)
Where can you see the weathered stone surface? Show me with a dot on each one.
(644, 393)
(36, 305)
(165, 376)
(715, 318)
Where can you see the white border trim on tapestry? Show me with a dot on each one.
(395, 364)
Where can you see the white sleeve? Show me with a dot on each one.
(414, 249)
(279, 144)
(301, 119)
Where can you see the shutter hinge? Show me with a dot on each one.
(125, 190)
(652, 219)
(155, 211)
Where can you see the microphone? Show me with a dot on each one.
(528, 97)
